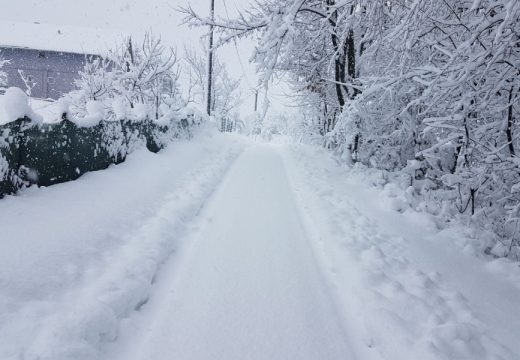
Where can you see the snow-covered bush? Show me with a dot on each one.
(96, 83)
(147, 74)
(133, 82)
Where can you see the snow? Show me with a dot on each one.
(95, 113)
(49, 110)
(120, 109)
(249, 288)
(17, 104)
(225, 248)
(14, 104)
(418, 293)
(79, 256)
(283, 251)
(139, 112)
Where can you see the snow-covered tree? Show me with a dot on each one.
(95, 83)
(225, 91)
(311, 40)
(147, 73)
(132, 80)
(426, 85)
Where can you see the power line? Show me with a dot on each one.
(238, 53)
(253, 88)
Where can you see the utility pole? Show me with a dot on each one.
(210, 59)
(256, 100)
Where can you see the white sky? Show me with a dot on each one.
(135, 17)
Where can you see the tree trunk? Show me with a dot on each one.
(510, 123)
(339, 64)
(351, 60)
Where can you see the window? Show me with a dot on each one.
(51, 80)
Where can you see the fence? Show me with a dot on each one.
(47, 154)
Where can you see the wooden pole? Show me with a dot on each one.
(210, 60)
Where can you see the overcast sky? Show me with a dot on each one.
(135, 17)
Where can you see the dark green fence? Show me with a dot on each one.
(47, 154)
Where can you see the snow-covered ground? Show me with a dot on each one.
(250, 287)
(407, 288)
(225, 248)
(77, 257)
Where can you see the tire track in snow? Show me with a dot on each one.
(249, 288)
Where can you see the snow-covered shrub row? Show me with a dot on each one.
(50, 153)
(428, 88)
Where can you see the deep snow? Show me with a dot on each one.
(250, 287)
(418, 294)
(15, 104)
(79, 256)
(199, 252)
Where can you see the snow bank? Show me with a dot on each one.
(50, 111)
(91, 252)
(140, 112)
(407, 296)
(14, 104)
(120, 108)
(95, 114)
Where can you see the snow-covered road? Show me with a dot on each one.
(223, 248)
(250, 287)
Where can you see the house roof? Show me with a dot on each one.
(63, 38)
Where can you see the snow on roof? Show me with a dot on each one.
(64, 38)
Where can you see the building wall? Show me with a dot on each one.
(51, 72)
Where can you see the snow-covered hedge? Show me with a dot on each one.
(49, 153)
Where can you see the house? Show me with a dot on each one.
(49, 74)
(48, 58)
